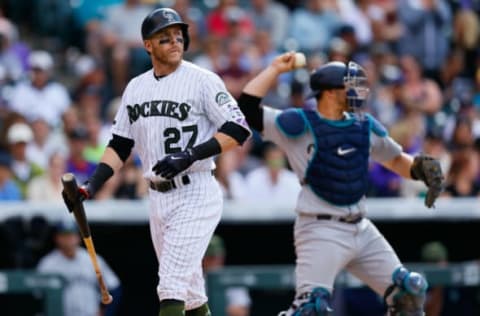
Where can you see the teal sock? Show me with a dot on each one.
(172, 308)
(200, 311)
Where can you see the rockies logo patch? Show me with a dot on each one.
(222, 98)
(169, 16)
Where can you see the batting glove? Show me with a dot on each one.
(83, 193)
(173, 164)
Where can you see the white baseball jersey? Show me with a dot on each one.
(81, 296)
(325, 247)
(168, 115)
(165, 116)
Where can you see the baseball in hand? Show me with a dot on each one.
(300, 60)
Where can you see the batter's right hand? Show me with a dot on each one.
(83, 193)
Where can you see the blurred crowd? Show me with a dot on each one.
(64, 65)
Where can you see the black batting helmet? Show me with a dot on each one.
(161, 18)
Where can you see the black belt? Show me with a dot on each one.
(348, 220)
(165, 186)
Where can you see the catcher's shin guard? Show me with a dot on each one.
(408, 293)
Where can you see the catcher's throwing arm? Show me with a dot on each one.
(71, 189)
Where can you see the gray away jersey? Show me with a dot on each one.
(180, 110)
(82, 295)
(298, 153)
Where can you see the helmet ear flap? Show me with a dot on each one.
(186, 38)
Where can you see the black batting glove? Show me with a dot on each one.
(83, 193)
(173, 164)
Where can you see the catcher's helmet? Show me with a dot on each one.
(161, 18)
(337, 75)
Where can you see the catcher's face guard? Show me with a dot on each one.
(356, 85)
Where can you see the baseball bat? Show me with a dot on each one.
(71, 189)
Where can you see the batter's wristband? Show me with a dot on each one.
(102, 173)
(207, 149)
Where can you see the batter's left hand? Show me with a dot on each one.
(173, 164)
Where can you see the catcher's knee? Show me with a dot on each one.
(406, 294)
(318, 304)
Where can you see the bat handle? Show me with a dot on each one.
(106, 298)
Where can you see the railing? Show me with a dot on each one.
(282, 278)
(23, 281)
(385, 209)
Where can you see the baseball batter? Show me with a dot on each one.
(178, 116)
(329, 149)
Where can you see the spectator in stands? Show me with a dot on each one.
(40, 96)
(95, 148)
(87, 18)
(306, 23)
(339, 50)
(81, 296)
(360, 12)
(10, 61)
(76, 162)
(130, 183)
(48, 187)
(261, 56)
(434, 252)
(70, 120)
(237, 298)
(427, 23)
(230, 179)
(228, 17)
(273, 182)
(461, 134)
(213, 56)
(264, 51)
(92, 89)
(446, 300)
(238, 71)
(197, 26)
(419, 93)
(386, 25)
(271, 17)
(297, 94)
(462, 176)
(386, 100)
(45, 142)
(122, 39)
(465, 39)
(9, 189)
(18, 136)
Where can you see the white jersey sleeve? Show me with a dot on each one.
(121, 125)
(219, 105)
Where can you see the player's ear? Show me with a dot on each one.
(148, 45)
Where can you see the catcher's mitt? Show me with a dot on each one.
(428, 170)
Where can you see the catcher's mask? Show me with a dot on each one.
(337, 75)
(356, 84)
